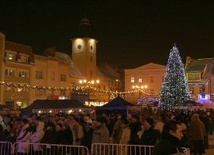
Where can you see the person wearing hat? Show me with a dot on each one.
(100, 134)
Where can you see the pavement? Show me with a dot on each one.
(210, 151)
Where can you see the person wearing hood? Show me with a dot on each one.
(38, 134)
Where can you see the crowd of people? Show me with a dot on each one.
(168, 132)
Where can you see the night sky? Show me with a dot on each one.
(130, 33)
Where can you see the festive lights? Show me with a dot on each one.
(73, 87)
(174, 90)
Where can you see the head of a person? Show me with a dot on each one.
(195, 117)
(173, 128)
(99, 121)
(124, 122)
(148, 122)
(58, 127)
(135, 118)
(24, 121)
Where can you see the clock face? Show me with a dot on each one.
(79, 46)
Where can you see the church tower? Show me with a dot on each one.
(84, 50)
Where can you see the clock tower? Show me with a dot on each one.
(84, 50)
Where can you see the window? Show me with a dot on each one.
(193, 76)
(39, 75)
(63, 78)
(23, 73)
(191, 89)
(132, 79)
(10, 57)
(140, 80)
(10, 72)
(23, 59)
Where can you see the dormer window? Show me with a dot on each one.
(23, 59)
(10, 57)
(193, 76)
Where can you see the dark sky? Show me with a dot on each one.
(130, 33)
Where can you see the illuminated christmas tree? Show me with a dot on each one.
(174, 90)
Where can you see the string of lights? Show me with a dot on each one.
(74, 88)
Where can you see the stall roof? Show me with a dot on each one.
(57, 104)
(117, 103)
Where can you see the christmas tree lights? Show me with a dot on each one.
(174, 90)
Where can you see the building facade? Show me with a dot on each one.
(16, 62)
(25, 77)
(199, 74)
(143, 82)
(146, 81)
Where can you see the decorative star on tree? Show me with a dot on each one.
(174, 90)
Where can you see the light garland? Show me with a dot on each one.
(72, 88)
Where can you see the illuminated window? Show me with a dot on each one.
(63, 78)
(191, 89)
(140, 80)
(9, 72)
(193, 76)
(10, 57)
(23, 73)
(39, 74)
(132, 79)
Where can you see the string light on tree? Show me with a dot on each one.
(174, 90)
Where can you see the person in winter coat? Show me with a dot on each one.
(150, 136)
(197, 133)
(100, 134)
(77, 131)
(50, 134)
(37, 135)
(135, 127)
(24, 137)
(117, 129)
(125, 137)
(170, 142)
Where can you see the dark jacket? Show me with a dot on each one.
(150, 137)
(167, 145)
(135, 127)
